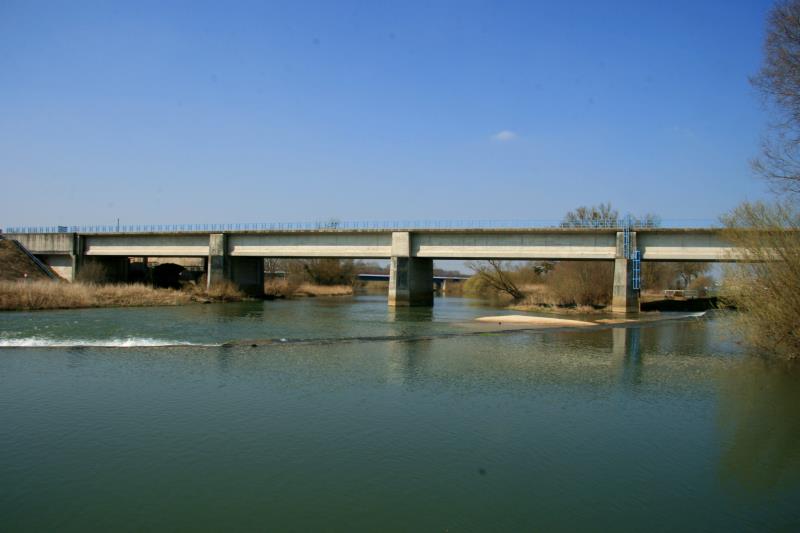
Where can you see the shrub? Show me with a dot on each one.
(582, 283)
(765, 287)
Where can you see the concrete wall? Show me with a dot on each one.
(46, 243)
(60, 264)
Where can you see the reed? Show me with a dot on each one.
(15, 295)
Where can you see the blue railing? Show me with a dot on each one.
(363, 225)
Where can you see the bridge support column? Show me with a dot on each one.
(410, 278)
(76, 258)
(217, 259)
(625, 298)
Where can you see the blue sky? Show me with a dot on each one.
(190, 112)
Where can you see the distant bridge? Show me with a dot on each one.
(440, 283)
(237, 254)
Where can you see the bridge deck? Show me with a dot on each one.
(655, 244)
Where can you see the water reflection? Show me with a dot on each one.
(627, 352)
(759, 426)
(406, 361)
(409, 314)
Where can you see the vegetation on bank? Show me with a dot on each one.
(36, 295)
(283, 288)
(766, 287)
(293, 278)
(25, 296)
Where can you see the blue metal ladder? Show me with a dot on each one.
(636, 274)
(635, 257)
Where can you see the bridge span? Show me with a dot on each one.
(238, 255)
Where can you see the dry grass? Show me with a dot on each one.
(280, 287)
(221, 291)
(310, 289)
(766, 288)
(54, 295)
(290, 288)
(32, 295)
(224, 291)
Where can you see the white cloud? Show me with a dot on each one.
(504, 136)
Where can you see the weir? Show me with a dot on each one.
(237, 256)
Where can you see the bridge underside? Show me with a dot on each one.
(237, 257)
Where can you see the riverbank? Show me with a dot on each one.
(40, 295)
(536, 322)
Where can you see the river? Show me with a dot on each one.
(357, 417)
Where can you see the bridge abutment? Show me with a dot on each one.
(410, 278)
(625, 299)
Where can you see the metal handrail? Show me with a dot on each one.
(396, 225)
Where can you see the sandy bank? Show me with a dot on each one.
(527, 320)
(533, 320)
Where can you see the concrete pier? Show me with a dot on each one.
(411, 282)
(625, 298)
(410, 278)
(217, 255)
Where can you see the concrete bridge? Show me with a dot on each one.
(238, 255)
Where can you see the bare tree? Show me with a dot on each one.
(497, 275)
(596, 216)
(329, 271)
(272, 266)
(779, 82)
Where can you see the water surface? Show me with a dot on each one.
(661, 427)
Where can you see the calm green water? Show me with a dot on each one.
(664, 427)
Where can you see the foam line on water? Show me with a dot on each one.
(126, 342)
